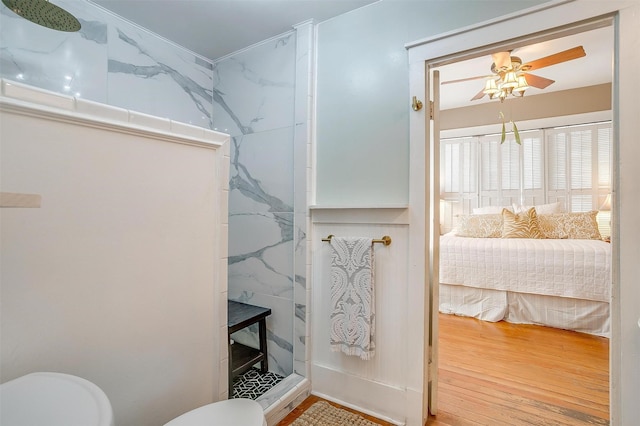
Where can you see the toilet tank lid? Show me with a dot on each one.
(54, 399)
(239, 411)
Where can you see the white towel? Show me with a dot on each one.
(352, 318)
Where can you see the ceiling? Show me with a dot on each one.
(215, 28)
(594, 68)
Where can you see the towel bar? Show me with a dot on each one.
(386, 240)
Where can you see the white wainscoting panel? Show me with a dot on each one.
(377, 385)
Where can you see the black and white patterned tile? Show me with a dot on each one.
(253, 383)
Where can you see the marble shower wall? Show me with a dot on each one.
(109, 61)
(254, 101)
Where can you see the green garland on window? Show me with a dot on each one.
(515, 131)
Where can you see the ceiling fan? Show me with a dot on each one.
(512, 77)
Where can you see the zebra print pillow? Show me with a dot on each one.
(520, 225)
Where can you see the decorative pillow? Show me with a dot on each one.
(480, 226)
(520, 225)
(541, 209)
(490, 209)
(577, 226)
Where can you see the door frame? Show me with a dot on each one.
(547, 18)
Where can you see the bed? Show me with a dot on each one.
(551, 280)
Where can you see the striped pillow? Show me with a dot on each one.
(520, 225)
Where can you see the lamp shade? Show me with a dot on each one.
(490, 87)
(510, 80)
(606, 205)
(522, 84)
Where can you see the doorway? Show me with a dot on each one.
(480, 175)
(454, 46)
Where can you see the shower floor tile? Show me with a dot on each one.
(253, 383)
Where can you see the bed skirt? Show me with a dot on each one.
(586, 316)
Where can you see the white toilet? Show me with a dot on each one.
(53, 399)
(232, 412)
(56, 399)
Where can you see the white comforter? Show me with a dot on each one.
(578, 269)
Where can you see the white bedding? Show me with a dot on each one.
(579, 269)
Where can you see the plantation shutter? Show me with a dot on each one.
(533, 168)
(458, 179)
(568, 164)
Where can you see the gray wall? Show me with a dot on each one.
(363, 100)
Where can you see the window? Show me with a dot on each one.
(568, 164)
(579, 171)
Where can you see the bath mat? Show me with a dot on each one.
(322, 413)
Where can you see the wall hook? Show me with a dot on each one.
(416, 104)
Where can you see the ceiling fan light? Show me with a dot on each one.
(490, 87)
(522, 84)
(510, 80)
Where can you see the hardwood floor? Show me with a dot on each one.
(501, 374)
(508, 374)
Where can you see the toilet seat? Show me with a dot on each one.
(53, 399)
(231, 412)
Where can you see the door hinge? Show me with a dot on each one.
(430, 364)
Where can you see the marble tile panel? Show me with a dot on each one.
(261, 254)
(300, 367)
(300, 252)
(260, 276)
(150, 75)
(253, 90)
(299, 333)
(261, 172)
(69, 63)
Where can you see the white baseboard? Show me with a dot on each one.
(369, 397)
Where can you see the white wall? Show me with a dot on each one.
(363, 100)
(626, 357)
(116, 277)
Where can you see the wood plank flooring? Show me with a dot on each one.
(501, 374)
(509, 374)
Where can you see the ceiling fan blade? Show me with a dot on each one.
(537, 81)
(478, 77)
(556, 58)
(480, 95)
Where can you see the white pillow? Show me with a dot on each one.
(491, 209)
(541, 208)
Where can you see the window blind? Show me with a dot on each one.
(568, 164)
